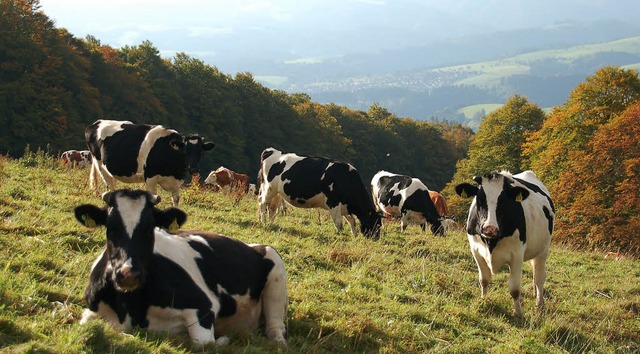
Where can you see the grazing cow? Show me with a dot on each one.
(406, 197)
(79, 158)
(209, 284)
(510, 221)
(252, 189)
(224, 177)
(316, 182)
(151, 154)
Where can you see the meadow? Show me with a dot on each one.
(406, 293)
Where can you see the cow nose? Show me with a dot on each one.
(126, 278)
(490, 231)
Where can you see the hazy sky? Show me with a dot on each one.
(304, 28)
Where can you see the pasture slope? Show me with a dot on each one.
(410, 293)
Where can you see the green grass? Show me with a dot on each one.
(404, 293)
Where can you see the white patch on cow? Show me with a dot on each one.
(107, 128)
(149, 141)
(211, 178)
(193, 141)
(492, 190)
(130, 211)
(351, 168)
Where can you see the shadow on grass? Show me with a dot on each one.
(10, 334)
(309, 336)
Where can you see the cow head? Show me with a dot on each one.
(130, 217)
(195, 145)
(495, 198)
(370, 225)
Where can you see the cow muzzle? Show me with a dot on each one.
(490, 231)
(126, 279)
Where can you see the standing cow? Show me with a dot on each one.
(406, 197)
(208, 284)
(316, 182)
(510, 221)
(151, 154)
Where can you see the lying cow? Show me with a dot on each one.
(208, 284)
(224, 177)
(316, 182)
(76, 158)
(405, 197)
(510, 221)
(151, 154)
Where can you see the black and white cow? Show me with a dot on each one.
(510, 221)
(316, 182)
(205, 283)
(406, 197)
(151, 154)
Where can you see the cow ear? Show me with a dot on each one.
(466, 190)
(170, 219)
(90, 215)
(518, 194)
(177, 144)
(208, 146)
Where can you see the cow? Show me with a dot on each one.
(405, 197)
(252, 189)
(317, 182)
(151, 154)
(224, 177)
(510, 221)
(73, 158)
(209, 284)
(440, 203)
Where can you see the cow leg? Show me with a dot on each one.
(200, 336)
(336, 215)
(266, 196)
(484, 273)
(352, 223)
(539, 265)
(515, 281)
(404, 221)
(275, 299)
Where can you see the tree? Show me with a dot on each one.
(590, 105)
(497, 145)
(600, 207)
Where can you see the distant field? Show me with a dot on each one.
(490, 73)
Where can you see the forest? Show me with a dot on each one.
(587, 151)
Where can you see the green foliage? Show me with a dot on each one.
(497, 146)
(404, 293)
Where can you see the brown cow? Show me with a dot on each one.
(440, 202)
(223, 177)
(73, 158)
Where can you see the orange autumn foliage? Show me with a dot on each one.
(599, 192)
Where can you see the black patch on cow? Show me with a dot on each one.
(165, 160)
(549, 217)
(120, 150)
(537, 189)
(275, 170)
(265, 154)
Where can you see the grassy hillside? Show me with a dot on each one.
(405, 293)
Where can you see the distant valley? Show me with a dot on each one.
(465, 78)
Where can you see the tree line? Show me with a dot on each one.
(53, 85)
